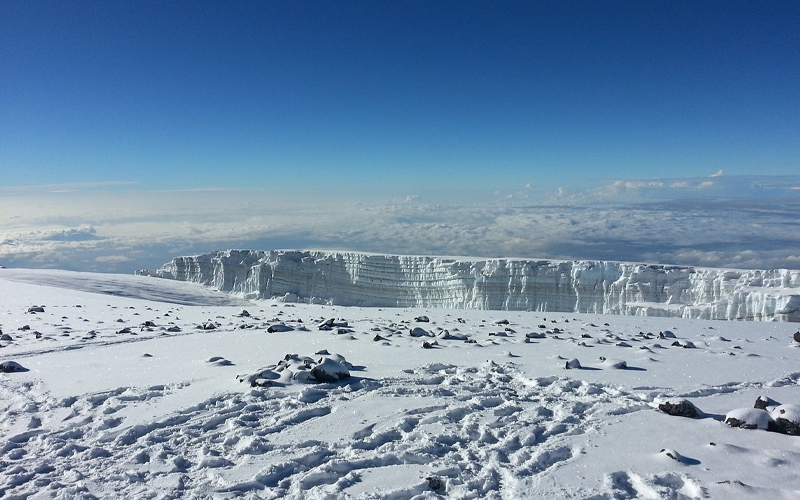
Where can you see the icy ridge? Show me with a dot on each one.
(358, 279)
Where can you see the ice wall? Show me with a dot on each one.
(357, 279)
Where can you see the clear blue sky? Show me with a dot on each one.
(413, 93)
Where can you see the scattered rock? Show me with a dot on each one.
(422, 319)
(11, 367)
(329, 370)
(573, 364)
(434, 483)
(35, 309)
(279, 327)
(762, 402)
(797, 336)
(786, 419)
(748, 418)
(219, 361)
(680, 408)
(616, 364)
(207, 325)
(418, 332)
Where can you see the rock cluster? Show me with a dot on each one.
(766, 414)
(293, 368)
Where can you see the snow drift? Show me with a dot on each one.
(358, 279)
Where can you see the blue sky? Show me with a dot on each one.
(441, 94)
(131, 132)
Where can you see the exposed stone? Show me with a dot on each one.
(11, 367)
(680, 408)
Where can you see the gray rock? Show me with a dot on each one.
(681, 408)
(11, 367)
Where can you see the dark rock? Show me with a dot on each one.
(434, 483)
(749, 418)
(418, 332)
(279, 327)
(784, 426)
(35, 309)
(11, 367)
(329, 370)
(422, 319)
(683, 408)
(762, 402)
(378, 338)
(786, 419)
(572, 364)
(797, 336)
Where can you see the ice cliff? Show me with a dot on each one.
(357, 279)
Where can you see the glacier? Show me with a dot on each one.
(602, 287)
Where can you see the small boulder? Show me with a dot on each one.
(329, 370)
(572, 364)
(11, 367)
(279, 327)
(418, 332)
(35, 309)
(786, 419)
(616, 364)
(797, 336)
(422, 319)
(680, 408)
(762, 402)
(749, 418)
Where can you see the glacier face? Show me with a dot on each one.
(357, 279)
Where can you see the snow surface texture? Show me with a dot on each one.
(357, 279)
(135, 397)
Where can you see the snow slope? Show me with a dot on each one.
(137, 396)
(347, 278)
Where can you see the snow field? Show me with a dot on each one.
(157, 411)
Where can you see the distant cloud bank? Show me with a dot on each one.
(721, 221)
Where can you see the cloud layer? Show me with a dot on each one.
(658, 221)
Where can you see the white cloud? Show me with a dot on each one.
(126, 231)
(718, 173)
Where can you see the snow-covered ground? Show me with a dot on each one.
(126, 396)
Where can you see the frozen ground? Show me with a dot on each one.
(126, 397)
